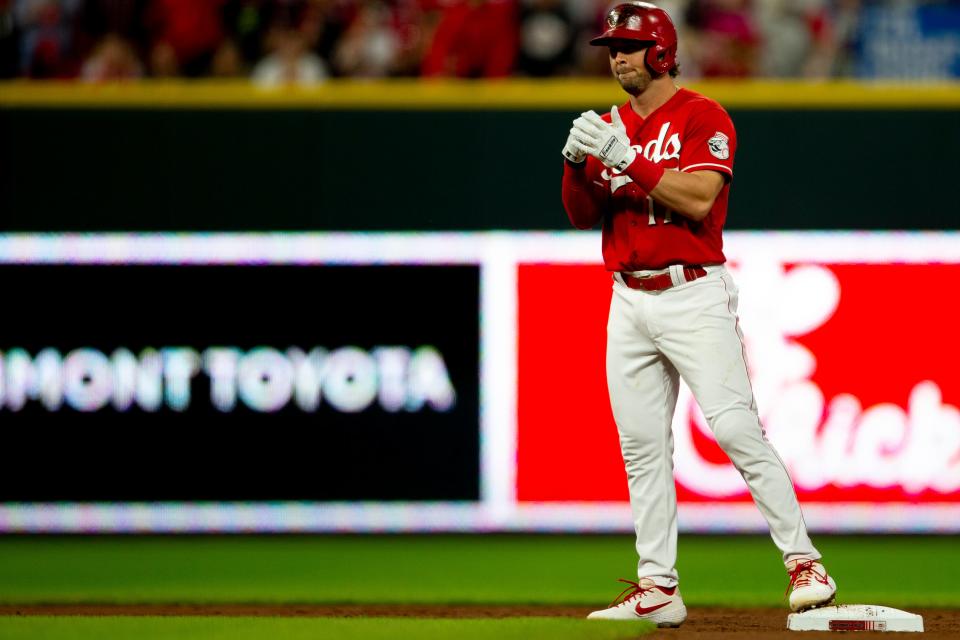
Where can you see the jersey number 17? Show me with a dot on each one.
(654, 208)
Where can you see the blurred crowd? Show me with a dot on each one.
(307, 41)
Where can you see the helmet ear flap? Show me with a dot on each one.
(661, 58)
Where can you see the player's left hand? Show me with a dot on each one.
(609, 143)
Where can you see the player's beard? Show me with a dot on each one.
(635, 82)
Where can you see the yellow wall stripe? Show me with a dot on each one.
(559, 94)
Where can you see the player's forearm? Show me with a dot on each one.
(579, 199)
(581, 208)
(689, 194)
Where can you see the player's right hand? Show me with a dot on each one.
(574, 151)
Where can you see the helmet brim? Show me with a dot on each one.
(618, 34)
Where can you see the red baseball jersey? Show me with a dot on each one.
(689, 132)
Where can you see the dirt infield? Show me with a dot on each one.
(703, 623)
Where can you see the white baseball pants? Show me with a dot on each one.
(691, 331)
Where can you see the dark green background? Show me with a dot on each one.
(183, 169)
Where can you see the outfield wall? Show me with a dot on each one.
(443, 156)
(449, 382)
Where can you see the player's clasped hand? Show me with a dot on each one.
(573, 150)
(606, 142)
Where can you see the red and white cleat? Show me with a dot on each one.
(810, 585)
(645, 600)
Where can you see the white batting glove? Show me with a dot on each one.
(573, 150)
(609, 143)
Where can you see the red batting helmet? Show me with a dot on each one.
(647, 23)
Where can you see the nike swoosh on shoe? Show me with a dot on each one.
(642, 611)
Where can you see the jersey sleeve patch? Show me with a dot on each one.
(719, 146)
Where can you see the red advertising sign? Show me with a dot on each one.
(854, 366)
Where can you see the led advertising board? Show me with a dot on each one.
(451, 382)
(131, 382)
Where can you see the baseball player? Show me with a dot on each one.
(656, 171)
